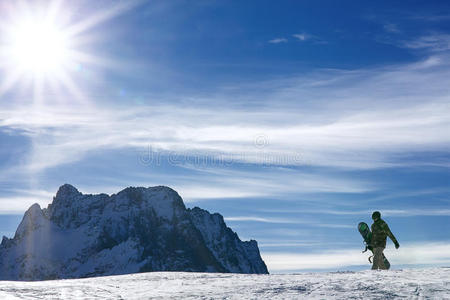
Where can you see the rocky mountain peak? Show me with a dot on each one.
(136, 230)
(32, 219)
(66, 191)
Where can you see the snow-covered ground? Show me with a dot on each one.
(431, 283)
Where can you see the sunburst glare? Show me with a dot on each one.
(45, 45)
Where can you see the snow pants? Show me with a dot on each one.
(378, 259)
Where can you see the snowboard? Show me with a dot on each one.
(365, 232)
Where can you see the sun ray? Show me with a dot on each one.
(98, 18)
(67, 81)
(37, 90)
(103, 62)
(12, 78)
(53, 8)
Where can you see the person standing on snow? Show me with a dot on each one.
(380, 230)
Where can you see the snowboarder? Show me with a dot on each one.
(380, 230)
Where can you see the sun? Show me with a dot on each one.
(40, 48)
(49, 45)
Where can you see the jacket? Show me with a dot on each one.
(380, 230)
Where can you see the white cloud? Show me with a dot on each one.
(209, 183)
(261, 219)
(19, 204)
(428, 253)
(269, 182)
(301, 36)
(286, 244)
(352, 119)
(428, 17)
(194, 192)
(278, 40)
(20, 200)
(391, 27)
(416, 212)
(434, 42)
(385, 212)
(286, 221)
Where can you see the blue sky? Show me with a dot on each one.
(293, 119)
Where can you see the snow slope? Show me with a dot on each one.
(405, 284)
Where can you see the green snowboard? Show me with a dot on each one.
(365, 232)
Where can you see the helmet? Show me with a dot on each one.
(376, 215)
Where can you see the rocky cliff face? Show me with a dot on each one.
(137, 230)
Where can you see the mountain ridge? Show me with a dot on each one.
(135, 230)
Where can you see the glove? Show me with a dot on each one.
(397, 245)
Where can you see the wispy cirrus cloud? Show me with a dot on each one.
(358, 119)
(302, 36)
(286, 221)
(262, 219)
(203, 183)
(435, 42)
(391, 28)
(299, 37)
(397, 212)
(278, 40)
(19, 200)
(385, 212)
(275, 243)
(428, 17)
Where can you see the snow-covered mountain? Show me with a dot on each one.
(136, 230)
